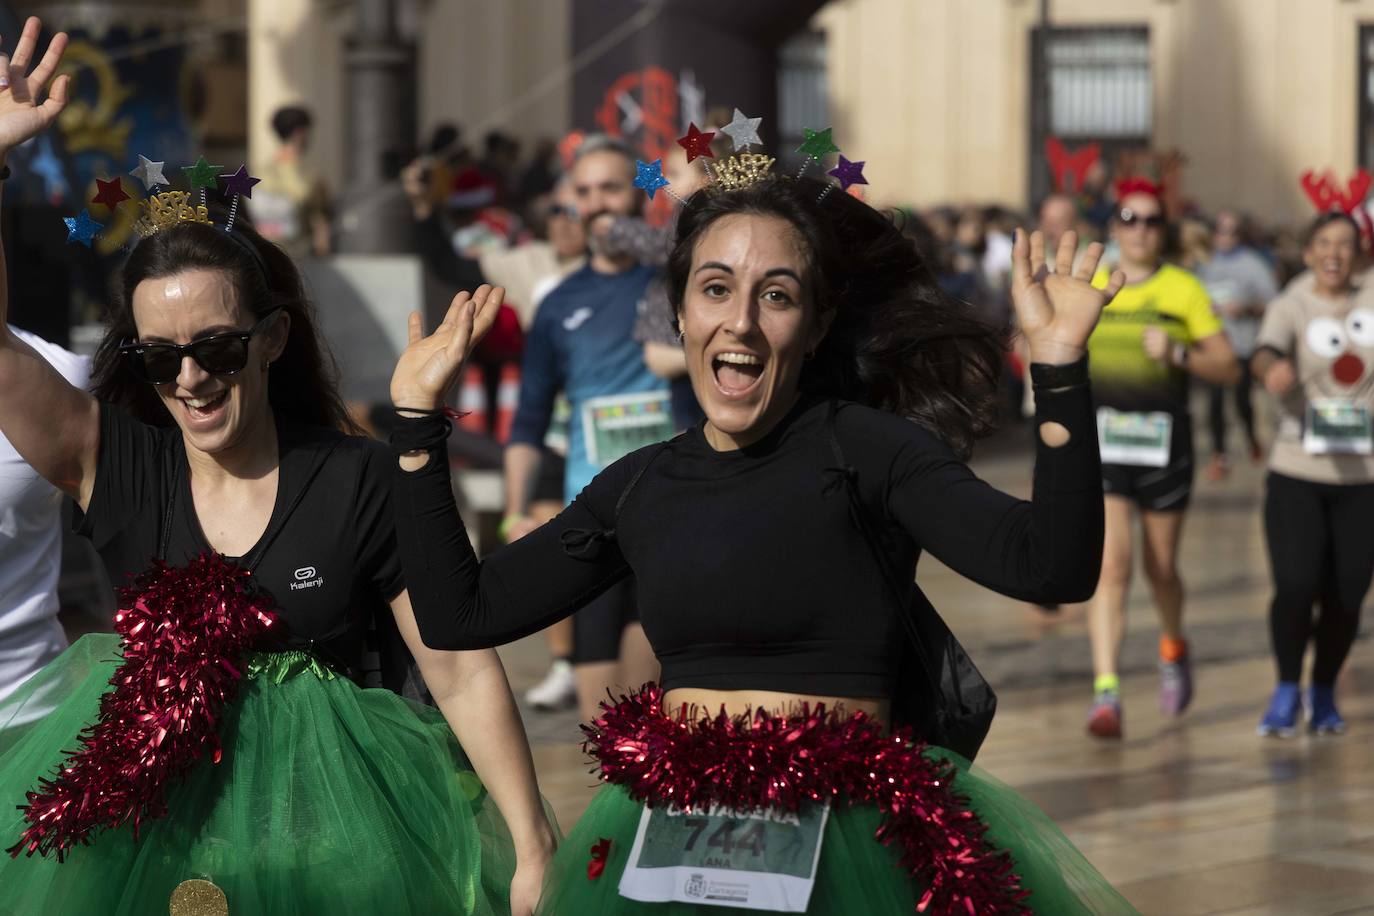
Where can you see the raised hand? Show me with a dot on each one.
(430, 365)
(21, 114)
(1057, 309)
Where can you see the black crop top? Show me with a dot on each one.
(750, 571)
(331, 566)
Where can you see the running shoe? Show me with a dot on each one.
(1218, 469)
(1281, 718)
(1104, 719)
(558, 689)
(1322, 717)
(1175, 686)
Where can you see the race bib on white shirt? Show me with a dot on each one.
(1335, 426)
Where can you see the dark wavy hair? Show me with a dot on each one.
(304, 385)
(897, 341)
(1322, 220)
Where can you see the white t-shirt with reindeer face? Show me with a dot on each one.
(1324, 432)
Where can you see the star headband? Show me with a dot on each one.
(165, 207)
(745, 168)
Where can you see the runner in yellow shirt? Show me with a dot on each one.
(1156, 334)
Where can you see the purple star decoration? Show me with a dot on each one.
(81, 228)
(240, 183)
(848, 173)
(649, 176)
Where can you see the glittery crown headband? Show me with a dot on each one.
(164, 207)
(745, 168)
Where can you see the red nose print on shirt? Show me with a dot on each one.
(1348, 369)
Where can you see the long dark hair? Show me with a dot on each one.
(304, 387)
(897, 342)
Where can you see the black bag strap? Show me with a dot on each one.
(586, 543)
(863, 521)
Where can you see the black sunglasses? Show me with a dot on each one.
(218, 354)
(1128, 217)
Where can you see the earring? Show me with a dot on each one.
(681, 332)
(266, 364)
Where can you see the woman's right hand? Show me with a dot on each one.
(1280, 377)
(430, 365)
(21, 115)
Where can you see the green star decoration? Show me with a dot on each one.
(202, 174)
(818, 143)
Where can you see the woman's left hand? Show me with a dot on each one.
(1057, 309)
(431, 364)
(526, 886)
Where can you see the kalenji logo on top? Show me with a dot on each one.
(306, 577)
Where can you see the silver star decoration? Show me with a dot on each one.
(150, 173)
(743, 131)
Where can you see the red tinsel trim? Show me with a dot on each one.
(184, 633)
(782, 762)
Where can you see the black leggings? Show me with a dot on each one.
(1321, 549)
(1245, 409)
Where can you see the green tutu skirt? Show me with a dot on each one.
(855, 874)
(329, 799)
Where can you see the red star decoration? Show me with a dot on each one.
(697, 143)
(111, 193)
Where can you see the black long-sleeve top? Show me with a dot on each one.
(750, 570)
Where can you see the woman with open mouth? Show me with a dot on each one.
(1315, 355)
(225, 746)
(774, 547)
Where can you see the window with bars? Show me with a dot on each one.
(1365, 140)
(1089, 85)
(803, 93)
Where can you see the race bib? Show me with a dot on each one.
(1134, 438)
(1333, 426)
(616, 425)
(760, 860)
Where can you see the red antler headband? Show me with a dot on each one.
(1326, 195)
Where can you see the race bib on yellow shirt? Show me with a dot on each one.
(1335, 426)
(1141, 439)
(759, 860)
(615, 425)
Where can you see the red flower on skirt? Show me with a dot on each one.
(597, 865)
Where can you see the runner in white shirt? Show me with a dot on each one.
(31, 547)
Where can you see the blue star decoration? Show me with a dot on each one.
(848, 173)
(81, 228)
(240, 183)
(649, 176)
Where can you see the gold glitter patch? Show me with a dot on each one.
(198, 897)
(741, 171)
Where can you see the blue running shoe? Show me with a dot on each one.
(1322, 717)
(1281, 718)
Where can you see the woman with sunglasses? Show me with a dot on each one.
(1159, 331)
(217, 427)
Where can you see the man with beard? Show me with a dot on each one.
(581, 343)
